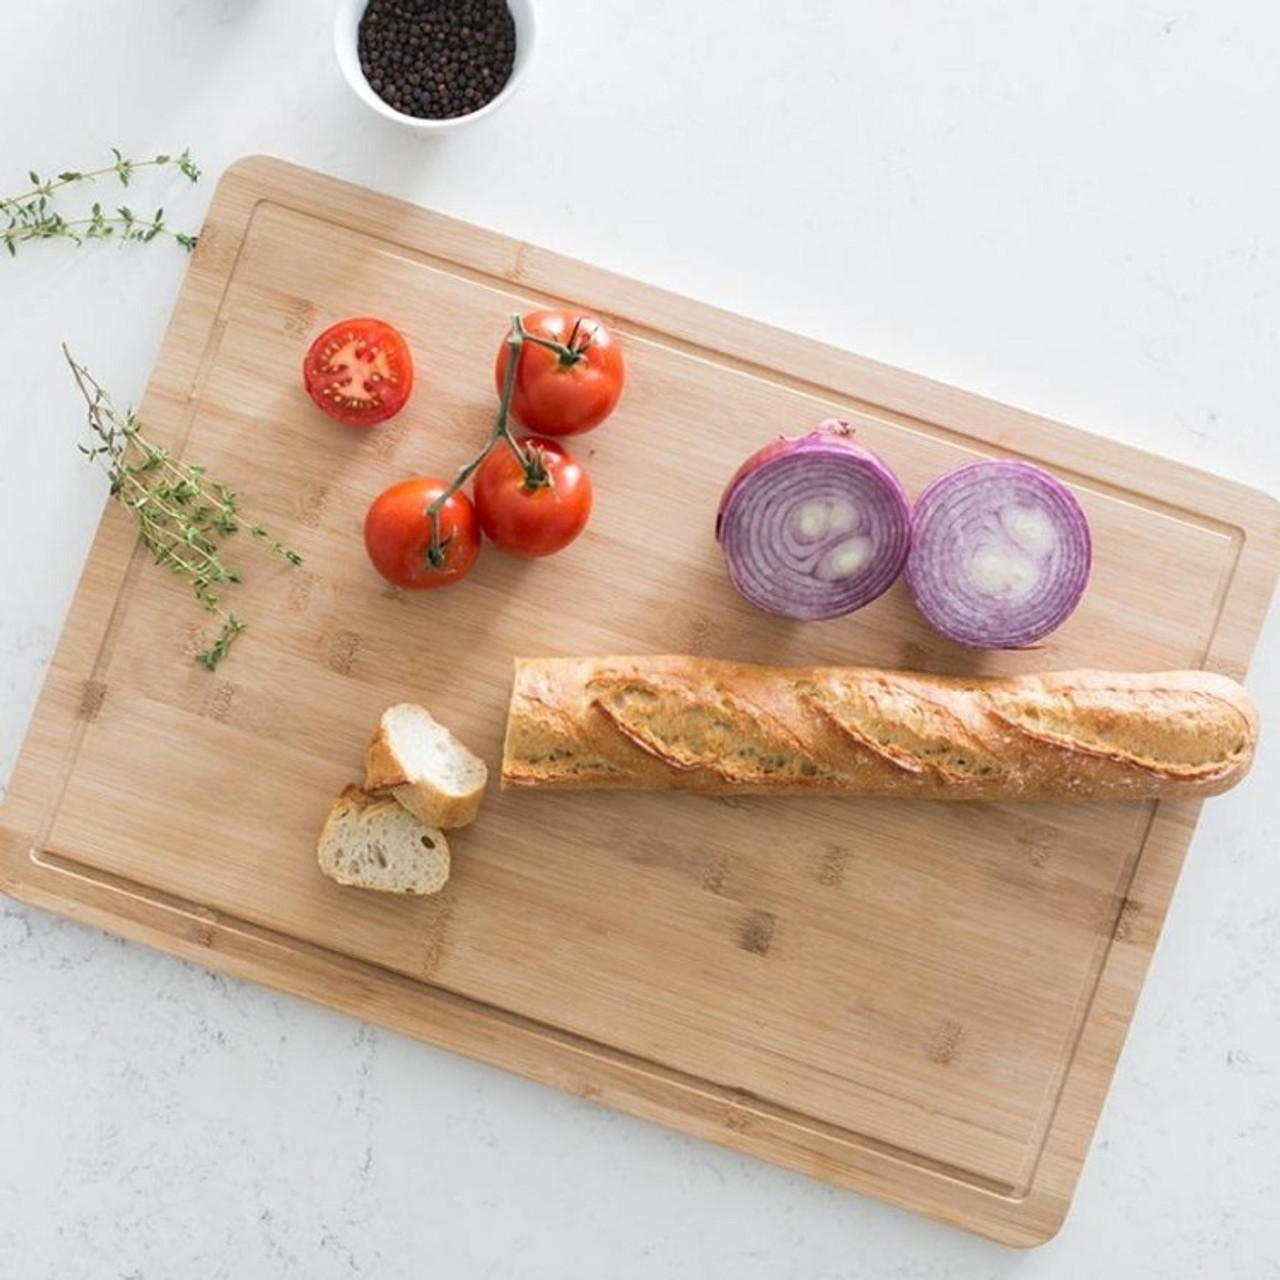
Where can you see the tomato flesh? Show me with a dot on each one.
(535, 519)
(397, 534)
(359, 371)
(555, 396)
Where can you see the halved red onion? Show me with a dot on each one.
(814, 526)
(1000, 553)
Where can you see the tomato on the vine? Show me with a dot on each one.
(359, 371)
(569, 375)
(398, 534)
(533, 506)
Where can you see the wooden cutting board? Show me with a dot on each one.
(922, 1002)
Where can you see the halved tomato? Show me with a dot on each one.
(359, 371)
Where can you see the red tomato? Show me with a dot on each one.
(359, 371)
(532, 515)
(558, 394)
(397, 534)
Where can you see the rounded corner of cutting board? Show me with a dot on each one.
(254, 166)
(1042, 1219)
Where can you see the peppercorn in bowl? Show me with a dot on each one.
(433, 65)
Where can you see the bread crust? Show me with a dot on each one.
(386, 772)
(682, 723)
(383, 768)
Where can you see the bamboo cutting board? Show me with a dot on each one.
(922, 1002)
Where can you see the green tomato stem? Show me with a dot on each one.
(516, 338)
(571, 352)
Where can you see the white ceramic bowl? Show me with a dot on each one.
(346, 31)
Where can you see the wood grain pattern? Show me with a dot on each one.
(921, 1002)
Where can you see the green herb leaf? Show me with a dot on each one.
(30, 215)
(183, 517)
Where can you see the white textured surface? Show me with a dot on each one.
(1073, 207)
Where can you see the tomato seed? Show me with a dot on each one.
(436, 59)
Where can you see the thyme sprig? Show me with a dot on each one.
(183, 516)
(32, 215)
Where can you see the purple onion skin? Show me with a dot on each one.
(962, 521)
(781, 587)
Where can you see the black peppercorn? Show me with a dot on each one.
(436, 59)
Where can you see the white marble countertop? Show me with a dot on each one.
(1071, 208)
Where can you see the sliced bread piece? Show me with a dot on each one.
(374, 842)
(425, 767)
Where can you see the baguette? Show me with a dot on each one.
(374, 842)
(716, 727)
(425, 767)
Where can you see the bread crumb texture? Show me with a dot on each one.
(429, 770)
(374, 842)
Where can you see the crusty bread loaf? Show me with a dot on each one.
(716, 727)
(425, 767)
(374, 842)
